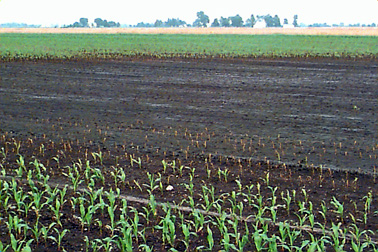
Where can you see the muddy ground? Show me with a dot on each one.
(268, 122)
(309, 112)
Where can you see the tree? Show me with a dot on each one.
(105, 23)
(268, 20)
(174, 22)
(158, 23)
(84, 22)
(99, 22)
(250, 21)
(113, 24)
(295, 22)
(76, 24)
(286, 21)
(276, 21)
(272, 21)
(236, 21)
(142, 24)
(225, 22)
(215, 23)
(202, 20)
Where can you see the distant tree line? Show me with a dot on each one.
(203, 20)
(84, 23)
(18, 25)
(171, 22)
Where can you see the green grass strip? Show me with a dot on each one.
(68, 46)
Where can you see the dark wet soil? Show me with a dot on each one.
(285, 118)
(319, 112)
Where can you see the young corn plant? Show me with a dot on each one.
(17, 145)
(111, 211)
(75, 177)
(19, 226)
(287, 199)
(210, 238)
(208, 197)
(338, 237)
(59, 238)
(45, 231)
(226, 240)
(167, 225)
(18, 245)
(98, 156)
(38, 205)
(199, 220)
(37, 232)
(125, 242)
(137, 161)
(86, 216)
(38, 167)
(135, 223)
(115, 173)
(367, 207)
(57, 211)
(359, 243)
(223, 173)
(260, 239)
(165, 165)
(153, 183)
(187, 234)
(339, 208)
(106, 243)
(3, 247)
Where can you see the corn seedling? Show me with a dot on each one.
(167, 225)
(18, 245)
(339, 208)
(98, 156)
(287, 200)
(125, 242)
(358, 245)
(210, 239)
(153, 183)
(137, 161)
(338, 237)
(57, 211)
(187, 234)
(223, 173)
(59, 238)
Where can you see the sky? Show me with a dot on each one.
(61, 12)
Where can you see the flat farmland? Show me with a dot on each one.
(322, 111)
(186, 152)
(344, 31)
(73, 44)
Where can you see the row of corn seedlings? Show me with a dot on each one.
(206, 219)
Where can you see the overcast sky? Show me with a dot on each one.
(60, 12)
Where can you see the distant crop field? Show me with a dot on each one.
(349, 31)
(183, 43)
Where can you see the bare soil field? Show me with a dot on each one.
(317, 110)
(278, 120)
(355, 31)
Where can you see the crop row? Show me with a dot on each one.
(91, 202)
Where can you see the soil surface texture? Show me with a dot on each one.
(287, 125)
(314, 112)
